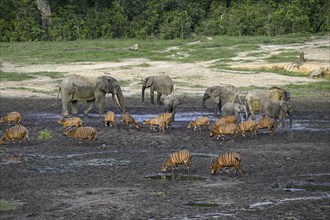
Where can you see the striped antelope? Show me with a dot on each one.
(226, 120)
(168, 118)
(11, 117)
(70, 122)
(248, 126)
(226, 160)
(156, 121)
(177, 158)
(82, 133)
(225, 129)
(128, 120)
(110, 119)
(199, 123)
(266, 122)
(17, 132)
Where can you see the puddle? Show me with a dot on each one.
(261, 205)
(202, 204)
(176, 177)
(98, 162)
(47, 169)
(204, 155)
(297, 187)
(315, 125)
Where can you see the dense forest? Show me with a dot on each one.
(61, 20)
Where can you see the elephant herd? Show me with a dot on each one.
(227, 99)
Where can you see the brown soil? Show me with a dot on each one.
(65, 179)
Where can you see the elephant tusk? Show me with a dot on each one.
(118, 103)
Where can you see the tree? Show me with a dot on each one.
(46, 15)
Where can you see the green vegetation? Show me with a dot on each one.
(287, 56)
(9, 76)
(45, 135)
(20, 20)
(197, 49)
(158, 194)
(6, 205)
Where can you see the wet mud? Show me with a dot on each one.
(286, 176)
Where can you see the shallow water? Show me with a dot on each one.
(176, 177)
(297, 124)
(302, 187)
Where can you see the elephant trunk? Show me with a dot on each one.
(205, 97)
(246, 113)
(143, 89)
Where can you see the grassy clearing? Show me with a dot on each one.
(198, 48)
(288, 56)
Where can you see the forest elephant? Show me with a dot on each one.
(76, 88)
(230, 108)
(277, 109)
(220, 95)
(160, 84)
(273, 93)
(171, 102)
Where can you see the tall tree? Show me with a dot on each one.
(46, 15)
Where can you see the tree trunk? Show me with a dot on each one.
(46, 15)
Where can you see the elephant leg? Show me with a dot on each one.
(101, 108)
(101, 103)
(74, 107)
(158, 98)
(216, 107)
(90, 105)
(152, 95)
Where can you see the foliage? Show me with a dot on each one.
(45, 135)
(20, 20)
(6, 205)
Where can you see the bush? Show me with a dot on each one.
(45, 135)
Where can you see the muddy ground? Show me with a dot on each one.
(286, 176)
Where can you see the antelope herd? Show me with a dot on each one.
(230, 125)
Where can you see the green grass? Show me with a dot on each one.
(288, 56)
(45, 135)
(11, 76)
(114, 50)
(6, 205)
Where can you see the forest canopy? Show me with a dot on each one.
(62, 20)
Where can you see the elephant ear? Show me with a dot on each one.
(104, 84)
(149, 81)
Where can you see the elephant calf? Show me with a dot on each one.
(230, 108)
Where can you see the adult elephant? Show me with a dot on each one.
(220, 95)
(277, 109)
(76, 88)
(255, 96)
(160, 84)
(230, 108)
(171, 102)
